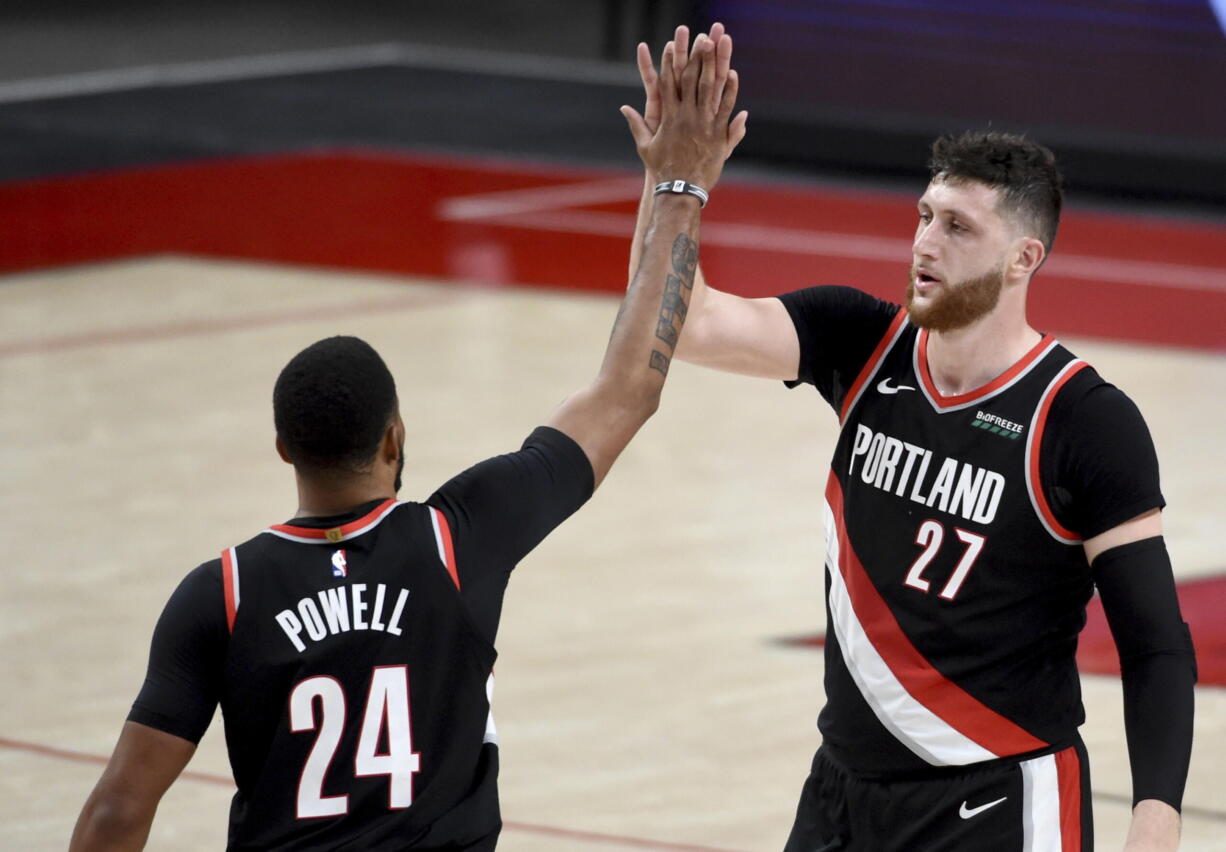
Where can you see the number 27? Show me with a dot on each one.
(929, 536)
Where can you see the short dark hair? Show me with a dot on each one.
(1022, 170)
(332, 404)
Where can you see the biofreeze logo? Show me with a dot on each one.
(997, 425)
(915, 473)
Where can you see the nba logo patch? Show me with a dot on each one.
(340, 568)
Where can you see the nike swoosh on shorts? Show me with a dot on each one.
(967, 813)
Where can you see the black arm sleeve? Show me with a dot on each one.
(502, 508)
(1098, 460)
(182, 685)
(1157, 664)
(838, 328)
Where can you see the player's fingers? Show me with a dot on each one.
(647, 71)
(706, 78)
(688, 83)
(728, 99)
(681, 53)
(736, 132)
(723, 62)
(717, 30)
(668, 78)
(638, 127)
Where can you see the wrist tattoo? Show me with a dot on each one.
(673, 305)
(659, 361)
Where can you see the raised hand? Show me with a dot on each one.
(692, 136)
(679, 50)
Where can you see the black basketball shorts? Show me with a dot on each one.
(1040, 804)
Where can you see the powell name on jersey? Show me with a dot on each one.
(355, 687)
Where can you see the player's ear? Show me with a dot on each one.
(393, 439)
(282, 452)
(1027, 257)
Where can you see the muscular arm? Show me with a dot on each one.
(689, 144)
(167, 719)
(1157, 670)
(603, 417)
(752, 337)
(119, 812)
(1107, 473)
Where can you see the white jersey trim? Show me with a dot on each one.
(491, 730)
(374, 522)
(234, 576)
(979, 400)
(438, 536)
(1032, 450)
(923, 732)
(1041, 805)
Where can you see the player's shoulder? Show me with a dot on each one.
(1087, 390)
(839, 299)
(205, 571)
(1089, 404)
(200, 588)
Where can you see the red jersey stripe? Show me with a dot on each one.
(443, 531)
(1033, 447)
(874, 360)
(944, 698)
(1068, 774)
(337, 533)
(942, 401)
(229, 585)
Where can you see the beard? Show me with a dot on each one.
(956, 305)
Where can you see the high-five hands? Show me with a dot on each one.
(684, 132)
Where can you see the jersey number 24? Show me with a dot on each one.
(387, 709)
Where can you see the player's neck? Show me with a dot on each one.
(325, 498)
(968, 358)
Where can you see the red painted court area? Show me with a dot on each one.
(1202, 602)
(1111, 276)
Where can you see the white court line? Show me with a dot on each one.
(314, 61)
(493, 205)
(540, 209)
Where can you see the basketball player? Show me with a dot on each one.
(351, 649)
(984, 483)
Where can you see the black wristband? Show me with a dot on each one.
(683, 188)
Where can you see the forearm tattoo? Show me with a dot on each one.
(673, 305)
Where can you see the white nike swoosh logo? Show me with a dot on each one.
(883, 386)
(967, 813)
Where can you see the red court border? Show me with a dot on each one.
(1111, 276)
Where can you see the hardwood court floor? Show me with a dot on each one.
(642, 699)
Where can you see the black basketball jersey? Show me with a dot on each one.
(954, 595)
(354, 689)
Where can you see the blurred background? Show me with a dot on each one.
(192, 191)
(1128, 92)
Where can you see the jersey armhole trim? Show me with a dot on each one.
(229, 584)
(1034, 443)
(442, 537)
(874, 361)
